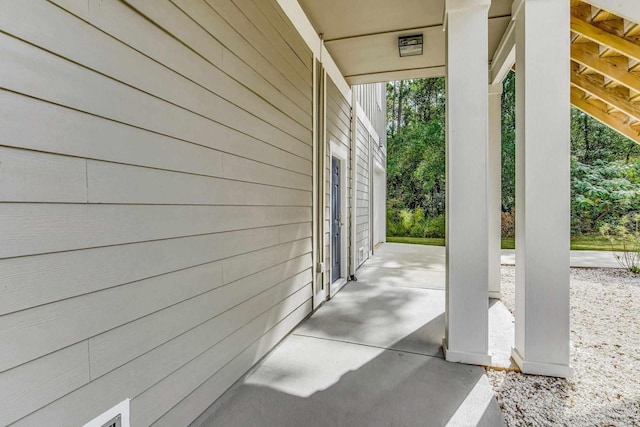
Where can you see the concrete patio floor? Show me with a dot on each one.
(369, 357)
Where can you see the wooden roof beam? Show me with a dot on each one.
(615, 123)
(627, 9)
(605, 66)
(608, 95)
(605, 38)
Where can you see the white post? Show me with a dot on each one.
(494, 190)
(467, 304)
(542, 187)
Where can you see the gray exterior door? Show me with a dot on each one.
(335, 220)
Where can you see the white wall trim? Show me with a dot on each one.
(121, 408)
(339, 150)
(379, 203)
(338, 285)
(302, 24)
(336, 76)
(354, 183)
(378, 165)
(342, 153)
(300, 21)
(319, 293)
(362, 116)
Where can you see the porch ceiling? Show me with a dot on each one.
(362, 35)
(605, 67)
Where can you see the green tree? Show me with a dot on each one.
(605, 167)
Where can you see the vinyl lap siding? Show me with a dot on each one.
(363, 212)
(372, 100)
(155, 224)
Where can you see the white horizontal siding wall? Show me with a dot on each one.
(363, 194)
(155, 203)
(373, 100)
(371, 149)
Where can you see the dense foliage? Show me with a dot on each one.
(605, 166)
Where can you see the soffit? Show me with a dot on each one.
(362, 35)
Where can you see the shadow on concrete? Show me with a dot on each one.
(382, 316)
(369, 357)
(317, 382)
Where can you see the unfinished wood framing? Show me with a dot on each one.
(605, 65)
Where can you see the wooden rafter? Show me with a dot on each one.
(606, 94)
(605, 38)
(605, 66)
(579, 101)
(605, 53)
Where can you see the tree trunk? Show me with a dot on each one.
(587, 146)
(400, 99)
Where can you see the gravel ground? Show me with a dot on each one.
(605, 353)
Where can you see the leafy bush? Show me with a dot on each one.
(394, 222)
(602, 193)
(436, 227)
(408, 223)
(417, 224)
(625, 233)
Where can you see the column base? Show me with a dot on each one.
(537, 368)
(479, 359)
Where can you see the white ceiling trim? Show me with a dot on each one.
(393, 75)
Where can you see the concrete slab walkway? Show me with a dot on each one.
(369, 357)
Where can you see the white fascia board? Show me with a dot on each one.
(362, 116)
(296, 15)
(628, 9)
(505, 55)
(300, 21)
(336, 76)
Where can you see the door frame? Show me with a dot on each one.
(379, 203)
(341, 153)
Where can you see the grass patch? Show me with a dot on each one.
(508, 243)
(430, 241)
(593, 243)
(578, 243)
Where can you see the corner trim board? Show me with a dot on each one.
(366, 122)
(299, 19)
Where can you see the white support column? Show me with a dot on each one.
(466, 316)
(542, 187)
(494, 188)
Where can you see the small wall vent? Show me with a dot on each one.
(114, 422)
(118, 416)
